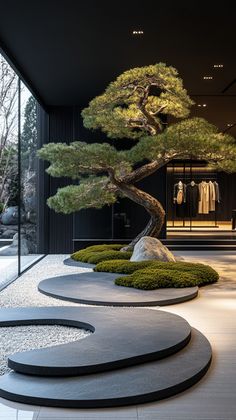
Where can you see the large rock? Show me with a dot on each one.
(148, 248)
(12, 249)
(10, 216)
(8, 234)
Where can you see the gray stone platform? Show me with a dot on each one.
(97, 288)
(121, 337)
(73, 263)
(131, 385)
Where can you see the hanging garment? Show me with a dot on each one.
(192, 199)
(179, 198)
(217, 192)
(212, 197)
(203, 205)
(179, 195)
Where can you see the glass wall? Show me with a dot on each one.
(18, 175)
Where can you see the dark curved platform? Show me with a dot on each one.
(132, 385)
(73, 263)
(97, 288)
(122, 337)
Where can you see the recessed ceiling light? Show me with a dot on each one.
(137, 32)
(218, 66)
(229, 125)
(207, 77)
(199, 105)
(204, 105)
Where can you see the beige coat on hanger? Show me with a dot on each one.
(203, 205)
(212, 197)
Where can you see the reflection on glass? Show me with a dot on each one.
(18, 175)
(9, 95)
(28, 168)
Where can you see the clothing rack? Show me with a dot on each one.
(187, 176)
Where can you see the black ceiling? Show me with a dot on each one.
(69, 50)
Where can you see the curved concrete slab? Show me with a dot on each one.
(132, 385)
(73, 263)
(122, 337)
(97, 288)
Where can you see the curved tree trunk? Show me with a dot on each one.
(151, 205)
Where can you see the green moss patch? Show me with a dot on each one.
(149, 275)
(166, 275)
(157, 278)
(96, 253)
(97, 257)
(122, 266)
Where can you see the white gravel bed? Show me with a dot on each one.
(17, 339)
(24, 292)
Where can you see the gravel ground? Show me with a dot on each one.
(15, 339)
(24, 292)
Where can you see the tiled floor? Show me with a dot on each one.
(214, 397)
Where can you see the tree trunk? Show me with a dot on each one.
(151, 205)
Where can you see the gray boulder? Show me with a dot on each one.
(8, 234)
(13, 248)
(148, 248)
(10, 216)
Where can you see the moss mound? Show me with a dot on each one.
(146, 275)
(97, 253)
(149, 275)
(122, 266)
(158, 276)
(150, 279)
(203, 274)
(97, 257)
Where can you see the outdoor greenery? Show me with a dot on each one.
(8, 134)
(136, 106)
(29, 135)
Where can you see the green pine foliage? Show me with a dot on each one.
(117, 112)
(135, 106)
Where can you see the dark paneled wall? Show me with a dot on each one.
(125, 219)
(122, 221)
(56, 231)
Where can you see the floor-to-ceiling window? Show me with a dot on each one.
(18, 175)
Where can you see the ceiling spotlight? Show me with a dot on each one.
(199, 105)
(204, 105)
(229, 125)
(137, 32)
(207, 77)
(218, 66)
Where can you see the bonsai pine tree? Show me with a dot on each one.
(135, 106)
